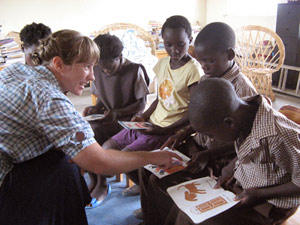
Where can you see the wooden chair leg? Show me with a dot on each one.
(129, 183)
(119, 177)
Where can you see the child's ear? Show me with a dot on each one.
(229, 122)
(230, 53)
(191, 39)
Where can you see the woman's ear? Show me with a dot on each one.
(58, 64)
(230, 53)
(229, 122)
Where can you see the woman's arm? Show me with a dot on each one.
(109, 162)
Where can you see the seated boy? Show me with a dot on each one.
(176, 75)
(30, 36)
(265, 175)
(122, 87)
(215, 52)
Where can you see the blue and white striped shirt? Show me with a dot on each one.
(36, 116)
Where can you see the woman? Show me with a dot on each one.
(41, 133)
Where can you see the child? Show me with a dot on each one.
(176, 74)
(121, 87)
(267, 167)
(30, 36)
(215, 52)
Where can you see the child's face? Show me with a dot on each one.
(110, 66)
(176, 42)
(214, 63)
(28, 51)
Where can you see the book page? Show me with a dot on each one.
(177, 165)
(134, 125)
(93, 117)
(199, 200)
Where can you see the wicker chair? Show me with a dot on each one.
(140, 33)
(259, 53)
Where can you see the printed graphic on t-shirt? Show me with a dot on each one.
(165, 92)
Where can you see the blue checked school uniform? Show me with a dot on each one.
(35, 118)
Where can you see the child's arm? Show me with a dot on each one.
(176, 139)
(252, 195)
(132, 109)
(146, 115)
(200, 159)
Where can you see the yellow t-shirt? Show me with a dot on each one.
(173, 92)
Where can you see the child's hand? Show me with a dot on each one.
(154, 129)
(109, 116)
(226, 179)
(174, 141)
(138, 118)
(198, 162)
(249, 196)
(90, 110)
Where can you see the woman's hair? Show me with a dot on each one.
(32, 33)
(71, 46)
(110, 45)
(174, 22)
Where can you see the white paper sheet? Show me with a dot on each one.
(199, 200)
(177, 165)
(135, 125)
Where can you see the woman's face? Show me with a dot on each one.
(75, 77)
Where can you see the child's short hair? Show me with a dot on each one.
(110, 46)
(177, 22)
(32, 33)
(219, 35)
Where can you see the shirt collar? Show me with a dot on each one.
(231, 74)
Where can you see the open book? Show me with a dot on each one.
(199, 200)
(134, 125)
(177, 165)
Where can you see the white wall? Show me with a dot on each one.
(87, 16)
(217, 11)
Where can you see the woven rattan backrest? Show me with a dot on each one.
(259, 48)
(138, 31)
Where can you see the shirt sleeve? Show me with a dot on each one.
(141, 89)
(287, 155)
(195, 72)
(64, 126)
